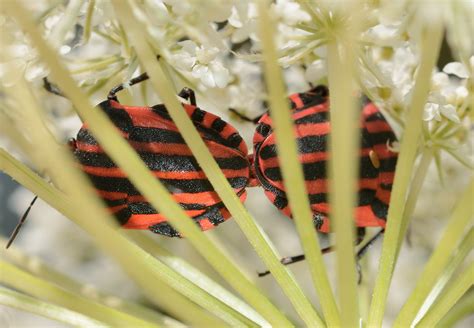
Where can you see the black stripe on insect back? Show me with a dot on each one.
(321, 117)
(175, 186)
(147, 134)
(162, 162)
(86, 137)
(118, 116)
(317, 170)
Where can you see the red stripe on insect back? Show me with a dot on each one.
(370, 109)
(116, 172)
(205, 224)
(297, 100)
(377, 126)
(365, 217)
(383, 195)
(314, 129)
(115, 209)
(321, 108)
(143, 221)
(111, 195)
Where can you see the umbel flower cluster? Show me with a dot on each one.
(214, 47)
(218, 49)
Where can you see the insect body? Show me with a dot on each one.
(310, 112)
(155, 137)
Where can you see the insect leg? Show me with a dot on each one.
(120, 87)
(50, 87)
(188, 94)
(294, 259)
(20, 223)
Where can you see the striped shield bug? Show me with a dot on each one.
(155, 137)
(310, 112)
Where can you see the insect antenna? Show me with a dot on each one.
(20, 223)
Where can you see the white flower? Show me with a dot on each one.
(290, 12)
(243, 19)
(316, 71)
(202, 63)
(431, 112)
(457, 69)
(384, 35)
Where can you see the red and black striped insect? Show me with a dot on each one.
(310, 112)
(155, 137)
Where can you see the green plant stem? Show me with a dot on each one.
(451, 267)
(23, 302)
(88, 23)
(41, 270)
(98, 65)
(123, 155)
(23, 281)
(251, 230)
(344, 144)
(460, 310)
(460, 218)
(160, 273)
(193, 274)
(430, 45)
(454, 291)
(415, 187)
(293, 172)
(65, 24)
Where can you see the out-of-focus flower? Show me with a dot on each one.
(316, 71)
(290, 12)
(202, 62)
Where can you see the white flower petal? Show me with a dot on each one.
(206, 55)
(457, 69)
(234, 19)
(188, 46)
(449, 111)
(220, 73)
(316, 71)
(439, 80)
(431, 112)
(183, 60)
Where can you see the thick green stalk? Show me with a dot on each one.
(343, 166)
(41, 270)
(460, 219)
(431, 41)
(454, 291)
(415, 187)
(27, 283)
(123, 155)
(454, 263)
(27, 303)
(251, 230)
(292, 170)
(162, 276)
(191, 273)
(460, 310)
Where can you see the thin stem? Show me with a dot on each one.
(23, 281)
(431, 41)
(460, 218)
(454, 291)
(30, 304)
(415, 187)
(293, 172)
